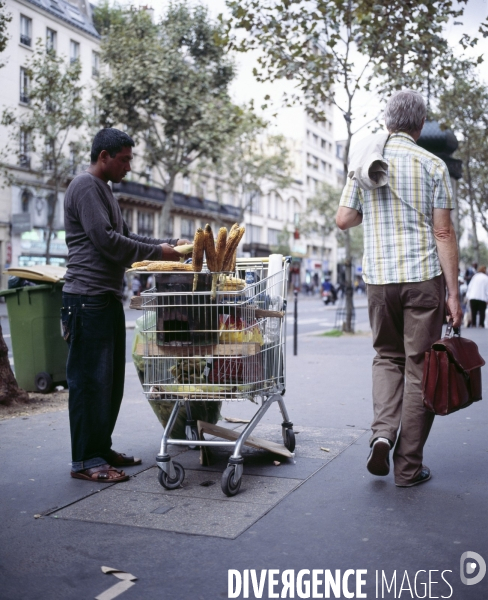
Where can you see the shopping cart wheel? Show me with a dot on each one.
(171, 484)
(194, 438)
(289, 439)
(230, 486)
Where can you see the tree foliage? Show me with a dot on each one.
(252, 159)
(324, 45)
(167, 84)
(319, 219)
(463, 107)
(5, 19)
(52, 123)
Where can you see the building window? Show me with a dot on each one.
(25, 31)
(187, 228)
(24, 149)
(24, 86)
(202, 188)
(271, 206)
(254, 202)
(127, 216)
(74, 51)
(253, 234)
(273, 237)
(95, 64)
(149, 174)
(72, 161)
(48, 155)
(51, 207)
(51, 40)
(186, 185)
(25, 200)
(145, 224)
(169, 227)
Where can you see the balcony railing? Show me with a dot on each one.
(25, 39)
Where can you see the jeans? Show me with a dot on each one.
(94, 328)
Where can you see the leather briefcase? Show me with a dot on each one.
(452, 374)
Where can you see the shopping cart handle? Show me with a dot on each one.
(262, 314)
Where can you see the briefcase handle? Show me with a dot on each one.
(451, 331)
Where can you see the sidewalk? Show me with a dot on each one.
(324, 512)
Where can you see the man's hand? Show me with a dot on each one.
(183, 242)
(169, 253)
(454, 311)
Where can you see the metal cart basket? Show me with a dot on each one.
(218, 343)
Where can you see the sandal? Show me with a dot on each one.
(101, 474)
(117, 459)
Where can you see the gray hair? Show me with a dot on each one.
(405, 111)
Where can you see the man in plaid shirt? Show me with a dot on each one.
(410, 257)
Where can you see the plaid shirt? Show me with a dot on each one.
(399, 243)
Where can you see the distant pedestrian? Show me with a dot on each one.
(477, 295)
(136, 286)
(410, 255)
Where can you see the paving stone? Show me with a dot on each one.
(192, 509)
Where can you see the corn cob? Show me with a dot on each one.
(210, 249)
(197, 255)
(198, 246)
(166, 265)
(211, 258)
(142, 263)
(232, 243)
(220, 247)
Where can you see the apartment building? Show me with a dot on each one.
(65, 27)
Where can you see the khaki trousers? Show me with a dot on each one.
(406, 319)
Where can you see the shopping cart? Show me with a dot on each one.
(217, 343)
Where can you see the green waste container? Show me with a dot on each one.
(39, 350)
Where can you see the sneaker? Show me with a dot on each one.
(422, 477)
(379, 458)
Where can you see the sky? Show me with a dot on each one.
(246, 88)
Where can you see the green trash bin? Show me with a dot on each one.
(39, 350)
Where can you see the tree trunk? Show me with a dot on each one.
(9, 389)
(168, 207)
(348, 322)
(50, 217)
(472, 214)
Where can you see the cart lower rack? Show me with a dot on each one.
(207, 343)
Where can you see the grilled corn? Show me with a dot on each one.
(232, 243)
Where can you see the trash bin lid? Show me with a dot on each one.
(47, 273)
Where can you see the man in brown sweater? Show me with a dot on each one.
(100, 247)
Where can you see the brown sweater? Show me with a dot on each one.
(100, 245)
